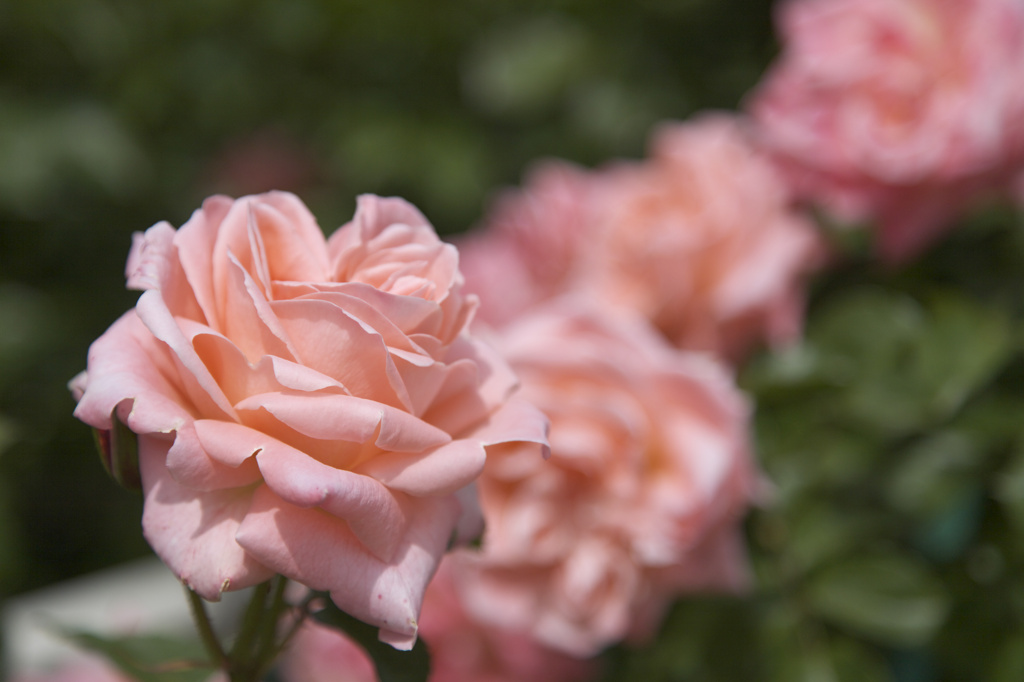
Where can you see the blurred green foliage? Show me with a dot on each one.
(889, 547)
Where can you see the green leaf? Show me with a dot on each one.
(934, 474)
(898, 364)
(150, 658)
(888, 598)
(392, 665)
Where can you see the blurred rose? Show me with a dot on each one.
(461, 649)
(649, 475)
(899, 111)
(304, 406)
(698, 238)
(319, 653)
(701, 241)
(530, 246)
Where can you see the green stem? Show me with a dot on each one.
(250, 624)
(266, 641)
(302, 612)
(205, 628)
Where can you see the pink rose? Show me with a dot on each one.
(464, 649)
(532, 242)
(461, 649)
(304, 406)
(699, 238)
(650, 472)
(898, 111)
(319, 653)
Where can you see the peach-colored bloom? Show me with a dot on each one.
(319, 653)
(461, 649)
(699, 238)
(640, 501)
(304, 406)
(532, 242)
(898, 111)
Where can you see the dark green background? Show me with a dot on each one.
(892, 547)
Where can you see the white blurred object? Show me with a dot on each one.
(141, 597)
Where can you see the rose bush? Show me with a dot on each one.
(649, 475)
(699, 238)
(303, 406)
(898, 111)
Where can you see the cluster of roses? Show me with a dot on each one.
(337, 410)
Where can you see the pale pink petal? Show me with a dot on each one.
(200, 386)
(347, 418)
(326, 339)
(440, 471)
(319, 550)
(125, 364)
(192, 466)
(248, 317)
(194, 532)
(370, 509)
(517, 421)
(295, 245)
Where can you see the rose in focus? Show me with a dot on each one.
(699, 238)
(649, 476)
(304, 406)
(898, 111)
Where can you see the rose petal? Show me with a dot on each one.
(348, 418)
(201, 387)
(326, 339)
(248, 318)
(194, 532)
(370, 509)
(320, 550)
(441, 471)
(127, 363)
(192, 466)
(195, 242)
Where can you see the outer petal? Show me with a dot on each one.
(370, 509)
(125, 364)
(194, 532)
(319, 550)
